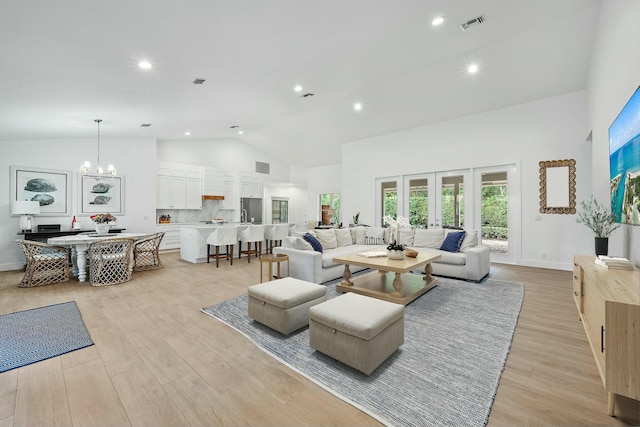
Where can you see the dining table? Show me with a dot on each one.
(79, 244)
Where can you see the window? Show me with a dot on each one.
(452, 201)
(330, 208)
(279, 211)
(495, 212)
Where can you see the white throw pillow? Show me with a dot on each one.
(374, 236)
(343, 236)
(360, 235)
(470, 241)
(406, 236)
(327, 238)
(296, 243)
(428, 238)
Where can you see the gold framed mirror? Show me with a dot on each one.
(558, 186)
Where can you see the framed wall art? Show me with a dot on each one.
(50, 187)
(100, 194)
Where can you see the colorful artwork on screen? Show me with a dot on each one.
(624, 163)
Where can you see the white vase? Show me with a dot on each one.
(102, 228)
(395, 254)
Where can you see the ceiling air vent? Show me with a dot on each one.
(262, 167)
(198, 81)
(145, 125)
(473, 23)
(306, 95)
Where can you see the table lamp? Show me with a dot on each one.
(26, 209)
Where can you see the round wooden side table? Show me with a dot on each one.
(271, 259)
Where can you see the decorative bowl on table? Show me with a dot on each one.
(411, 253)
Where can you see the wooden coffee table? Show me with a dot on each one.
(393, 282)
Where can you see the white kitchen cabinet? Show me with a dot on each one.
(213, 182)
(229, 190)
(171, 239)
(178, 186)
(250, 186)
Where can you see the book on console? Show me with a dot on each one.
(373, 254)
(614, 263)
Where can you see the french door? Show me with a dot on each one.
(436, 200)
(484, 199)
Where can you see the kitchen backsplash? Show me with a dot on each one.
(210, 209)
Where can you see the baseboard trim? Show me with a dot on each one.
(12, 266)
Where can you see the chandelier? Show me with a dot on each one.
(86, 166)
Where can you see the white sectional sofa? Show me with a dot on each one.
(471, 262)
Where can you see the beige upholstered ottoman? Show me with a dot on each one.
(283, 304)
(359, 331)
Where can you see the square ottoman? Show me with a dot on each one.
(359, 331)
(283, 304)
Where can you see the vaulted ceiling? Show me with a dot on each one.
(68, 62)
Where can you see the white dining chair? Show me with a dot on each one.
(222, 236)
(250, 234)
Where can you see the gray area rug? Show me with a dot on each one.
(41, 333)
(457, 337)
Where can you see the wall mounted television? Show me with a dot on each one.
(624, 162)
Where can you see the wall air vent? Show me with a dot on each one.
(145, 125)
(198, 81)
(263, 167)
(473, 23)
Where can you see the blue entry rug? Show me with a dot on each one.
(457, 338)
(41, 333)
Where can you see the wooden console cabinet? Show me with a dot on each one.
(608, 301)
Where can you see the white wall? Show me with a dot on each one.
(549, 129)
(323, 180)
(134, 158)
(297, 196)
(231, 155)
(613, 77)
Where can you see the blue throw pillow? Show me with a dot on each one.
(453, 241)
(315, 244)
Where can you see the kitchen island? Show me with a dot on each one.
(193, 240)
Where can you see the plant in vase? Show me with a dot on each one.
(395, 251)
(395, 225)
(103, 222)
(600, 220)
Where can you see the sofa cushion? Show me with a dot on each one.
(470, 241)
(452, 241)
(296, 243)
(453, 258)
(406, 236)
(313, 242)
(343, 236)
(428, 238)
(327, 257)
(327, 238)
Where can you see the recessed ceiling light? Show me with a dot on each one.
(240, 132)
(437, 21)
(473, 68)
(357, 106)
(298, 88)
(145, 65)
(187, 133)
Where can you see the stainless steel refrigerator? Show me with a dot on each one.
(251, 210)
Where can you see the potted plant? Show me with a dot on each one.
(102, 222)
(356, 217)
(600, 220)
(395, 251)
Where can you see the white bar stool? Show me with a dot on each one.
(250, 234)
(274, 234)
(222, 236)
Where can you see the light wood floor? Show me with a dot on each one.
(158, 361)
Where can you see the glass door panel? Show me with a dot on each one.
(494, 214)
(452, 201)
(388, 193)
